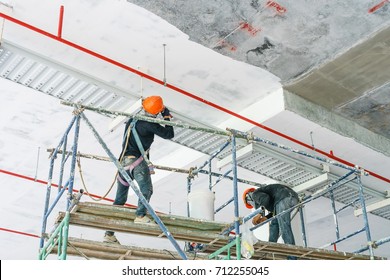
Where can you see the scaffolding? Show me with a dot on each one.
(222, 240)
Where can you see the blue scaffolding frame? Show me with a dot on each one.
(58, 237)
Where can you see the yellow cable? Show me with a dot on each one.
(112, 184)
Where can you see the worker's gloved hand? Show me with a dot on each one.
(258, 219)
(166, 114)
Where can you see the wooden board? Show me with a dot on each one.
(121, 219)
(89, 249)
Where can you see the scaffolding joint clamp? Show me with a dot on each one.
(372, 244)
(45, 236)
(192, 172)
(78, 110)
(360, 171)
(250, 137)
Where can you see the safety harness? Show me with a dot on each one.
(143, 156)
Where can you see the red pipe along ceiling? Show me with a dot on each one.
(179, 90)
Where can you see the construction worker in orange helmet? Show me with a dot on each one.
(276, 198)
(137, 140)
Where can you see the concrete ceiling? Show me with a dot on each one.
(332, 57)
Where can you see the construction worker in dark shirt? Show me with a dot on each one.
(276, 198)
(135, 157)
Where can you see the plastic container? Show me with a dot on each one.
(201, 204)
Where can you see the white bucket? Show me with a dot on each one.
(261, 233)
(201, 204)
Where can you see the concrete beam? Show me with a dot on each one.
(336, 123)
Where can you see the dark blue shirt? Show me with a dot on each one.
(146, 131)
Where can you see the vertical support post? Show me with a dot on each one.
(36, 167)
(365, 216)
(188, 192)
(335, 218)
(73, 163)
(65, 230)
(213, 155)
(165, 66)
(300, 209)
(60, 22)
(49, 181)
(63, 157)
(63, 245)
(188, 244)
(235, 192)
(46, 208)
(210, 177)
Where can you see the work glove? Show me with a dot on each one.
(258, 219)
(166, 114)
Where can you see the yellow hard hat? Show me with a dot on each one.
(153, 104)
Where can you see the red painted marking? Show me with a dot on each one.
(227, 45)
(253, 31)
(279, 8)
(378, 6)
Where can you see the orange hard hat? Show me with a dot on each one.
(153, 104)
(244, 197)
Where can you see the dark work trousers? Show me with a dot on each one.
(282, 224)
(141, 175)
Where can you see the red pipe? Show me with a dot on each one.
(25, 177)
(378, 6)
(153, 79)
(54, 185)
(61, 20)
(19, 232)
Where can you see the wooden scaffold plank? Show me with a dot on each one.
(107, 251)
(121, 219)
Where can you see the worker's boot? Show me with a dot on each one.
(144, 220)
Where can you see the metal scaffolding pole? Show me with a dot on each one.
(210, 177)
(144, 118)
(190, 171)
(235, 193)
(336, 221)
(63, 161)
(303, 229)
(189, 178)
(49, 182)
(374, 244)
(73, 162)
(365, 217)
